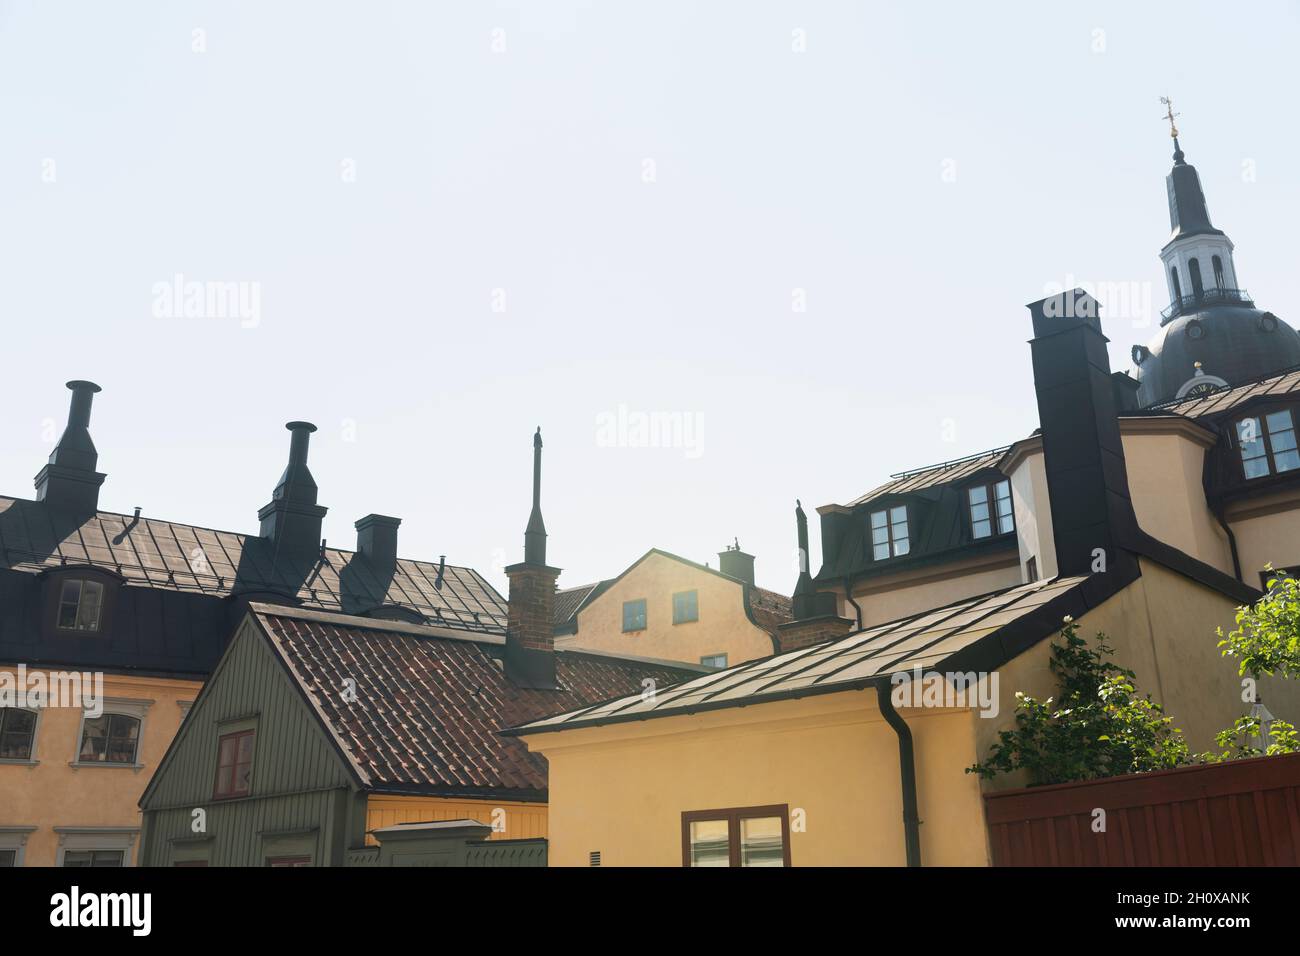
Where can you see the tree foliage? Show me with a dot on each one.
(1266, 640)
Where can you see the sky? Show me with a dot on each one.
(724, 254)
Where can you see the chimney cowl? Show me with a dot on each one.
(377, 539)
(737, 564)
(69, 479)
(293, 519)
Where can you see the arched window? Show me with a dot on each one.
(1195, 268)
(1218, 273)
(1178, 286)
(17, 733)
(111, 738)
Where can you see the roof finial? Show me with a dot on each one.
(535, 535)
(1173, 129)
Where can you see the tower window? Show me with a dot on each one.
(1268, 446)
(1178, 286)
(1194, 267)
(889, 535)
(990, 508)
(1218, 273)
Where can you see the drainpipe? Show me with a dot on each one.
(1232, 541)
(848, 596)
(907, 774)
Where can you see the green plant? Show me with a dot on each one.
(1266, 640)
(1099, 727)
(1237, 740)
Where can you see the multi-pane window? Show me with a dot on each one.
(1268, 444)
(80, 602)
(234, 764)
(686, 607)
(990, 509)
(8, 858)
(634, 615)
(17, 733)
(714, 660)
(93, 858)
(889, 537)
(110, 738)
(751, 836)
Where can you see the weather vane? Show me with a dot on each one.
(1169, 115)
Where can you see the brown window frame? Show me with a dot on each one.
(1270, 456)
(891, 541)
(217, 792)
(733, 816)
(991, 491)
(5, 732)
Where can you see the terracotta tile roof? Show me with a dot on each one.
(770, 609)
(193, 560)
(569, 600)
(929, 640)
(429, 705)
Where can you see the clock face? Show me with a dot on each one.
(1200, 389)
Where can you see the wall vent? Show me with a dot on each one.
(594, 858)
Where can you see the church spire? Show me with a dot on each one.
(535, 535)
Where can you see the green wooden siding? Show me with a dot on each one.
(301, 792)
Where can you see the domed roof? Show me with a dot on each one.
(1235, 343)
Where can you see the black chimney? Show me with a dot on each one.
(293, 519)
(1092, 515)
(69, 481)
(737, 564)
(377, 540)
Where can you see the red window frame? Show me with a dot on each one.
(227, 786)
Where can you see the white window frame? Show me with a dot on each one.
(125, 707)
(78, 839)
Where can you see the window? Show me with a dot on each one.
(1178, 286)
(1276, 575)
(17, 733)
(1218, 272)
(234, 764)
(990, 509)
(93, 858)
(13, 844)
(1194, 267)
(288, 861)
(111, 738)
(1268, 447)
(747, 836)
(714, 660)
(889, 533)
(80, 602)
(1031, 570)
(634, 615)
(686, 607)
(8, 858)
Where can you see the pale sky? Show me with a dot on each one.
(465, 220)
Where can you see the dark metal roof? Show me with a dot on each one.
(1227, 399)
(186, 559)
(927, 640)
(1188, 213)
(428, 707)
(943, 473)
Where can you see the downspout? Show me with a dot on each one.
(907, 774)
(848, 596)
(1232, 541)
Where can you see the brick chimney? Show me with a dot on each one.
(737, 564)
(530, 629)
(69, 480)
(1083, 455)
(292, 519)
(816, 613)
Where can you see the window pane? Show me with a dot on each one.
(877, 519)
(1278, 421)
(1287, 461)
(710, 843)
(879, 552)
(68, 600)
(879, 535)
(898, 515)
(634, 615)
(978, 496)
(685, 607)
(979, 512)
(901, 546)
(981, 529)
(1256, 467)
(761, 843)
(92, 597)
(94, 739)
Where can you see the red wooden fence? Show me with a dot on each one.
(1241, 813)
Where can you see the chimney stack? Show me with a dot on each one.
(530, 628)
(1087, 482)
(816, 613)
(377, 540)
(69, 480)
(292, 520)
(737, 564)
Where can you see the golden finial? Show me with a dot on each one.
(1169, 115)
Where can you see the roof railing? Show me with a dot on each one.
(1215, 296)
(945, 465)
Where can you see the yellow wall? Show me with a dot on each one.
(1268, 532)
(622, 789)
(54, 794)
(523, 821)
(722, 628)
(889, 598)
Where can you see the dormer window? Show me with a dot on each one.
(889, 534)
(990, 509)
(81, 602)
(1268, 444)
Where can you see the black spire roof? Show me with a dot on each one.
(1188, 214)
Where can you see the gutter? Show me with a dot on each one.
(907, 774)
(848, 596)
